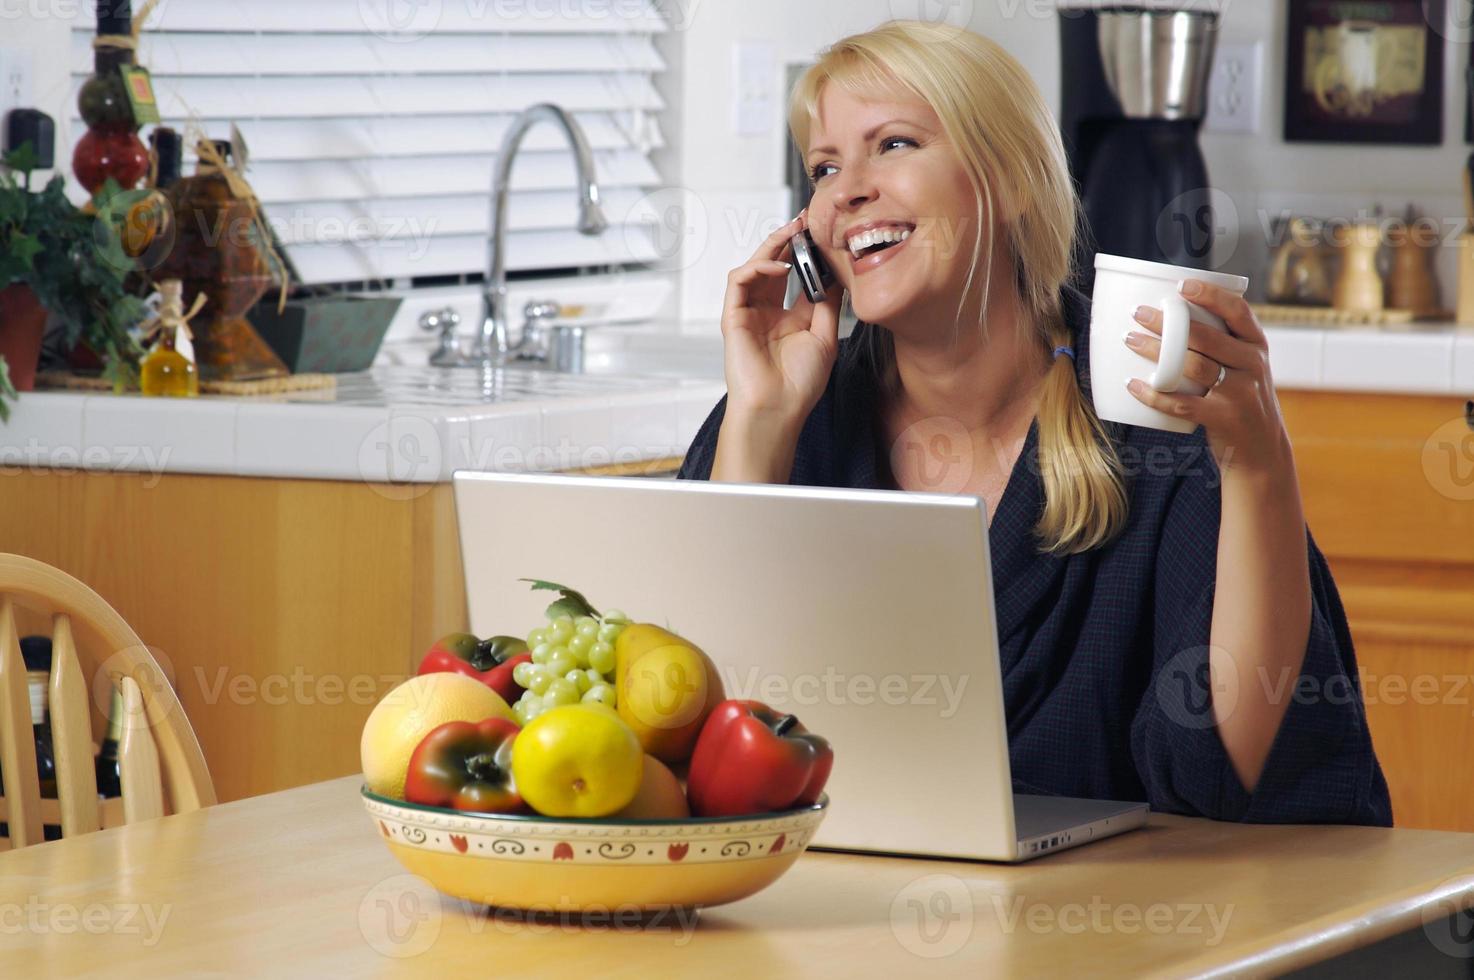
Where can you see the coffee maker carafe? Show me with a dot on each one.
(1133, 96)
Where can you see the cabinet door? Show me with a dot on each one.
(1388, 484)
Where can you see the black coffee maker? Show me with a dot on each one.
(1133, 95)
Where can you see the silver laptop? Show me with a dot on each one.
(866, 613)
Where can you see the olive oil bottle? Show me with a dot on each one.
(166, 370)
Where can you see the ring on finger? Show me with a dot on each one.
(1222, 373)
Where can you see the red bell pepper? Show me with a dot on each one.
(750, 758)
(490, 661)
(466, 765)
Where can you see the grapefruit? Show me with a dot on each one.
(409, 713)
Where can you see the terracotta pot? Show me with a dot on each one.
(22, 322)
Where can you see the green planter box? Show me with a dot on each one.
(326, 334)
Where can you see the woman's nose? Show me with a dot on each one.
(852, 187)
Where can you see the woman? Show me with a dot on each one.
(1168, 630)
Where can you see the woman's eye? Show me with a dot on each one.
(822, 170)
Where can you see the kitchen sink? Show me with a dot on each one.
(642, 350)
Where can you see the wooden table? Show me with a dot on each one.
(297, 883)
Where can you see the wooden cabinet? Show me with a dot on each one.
(1388, 485)
(282, 609)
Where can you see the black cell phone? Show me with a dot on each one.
(813, 272)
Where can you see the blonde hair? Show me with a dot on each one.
(1005, 137)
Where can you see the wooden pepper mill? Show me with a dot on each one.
(1359, 287)
(1410, 284)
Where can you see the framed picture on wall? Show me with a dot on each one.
(1364, 72)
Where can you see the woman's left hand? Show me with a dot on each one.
(1239, 411)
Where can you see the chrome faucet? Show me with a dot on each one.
(491, 348)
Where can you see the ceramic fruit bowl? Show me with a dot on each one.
(546, 863)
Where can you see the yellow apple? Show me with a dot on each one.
(577, 761)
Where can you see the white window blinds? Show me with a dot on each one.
(372, 141)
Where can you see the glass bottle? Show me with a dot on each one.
(109, 770)
(217, 251)
(147, 223)
(166, 371)
(110, 147)
(36, 652)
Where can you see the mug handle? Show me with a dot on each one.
(1173, 355)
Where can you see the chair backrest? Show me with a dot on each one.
(161, 766)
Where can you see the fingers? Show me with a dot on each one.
(1232, 307)
(772, 247)
(1213, 344)
(1196, 367)
(741, 280)
(825, 322)
(1190, 407)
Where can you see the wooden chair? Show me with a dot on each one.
(162, 767)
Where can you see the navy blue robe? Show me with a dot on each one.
(1104, 653)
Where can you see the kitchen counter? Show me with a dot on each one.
(1419, 359)
(403, 424)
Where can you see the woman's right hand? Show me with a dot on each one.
(777, 361)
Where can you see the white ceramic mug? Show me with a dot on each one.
(1121, 285)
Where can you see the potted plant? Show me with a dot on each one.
(57, 259)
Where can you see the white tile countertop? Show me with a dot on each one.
(405, 424)
(409, 423)
(1419, 359)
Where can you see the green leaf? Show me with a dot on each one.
(24, 249)
(23, 158)
(571, 604)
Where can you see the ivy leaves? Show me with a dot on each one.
(74, 262)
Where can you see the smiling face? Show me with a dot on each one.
(893, 210)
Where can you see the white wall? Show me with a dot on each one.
(732, 186)
(43, 32)
(728, 190)
(737, 180)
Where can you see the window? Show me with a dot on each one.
(371, 143)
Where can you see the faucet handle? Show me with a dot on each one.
(532, 345)
(445, 321)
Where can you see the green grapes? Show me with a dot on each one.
(601, 657)
(600, 694)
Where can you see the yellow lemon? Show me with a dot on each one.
(577, 761)
(408, 713)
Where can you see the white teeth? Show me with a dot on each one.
(875, 236)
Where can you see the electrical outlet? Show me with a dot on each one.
(15, 80)
(1233, 88)
(754, 88)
